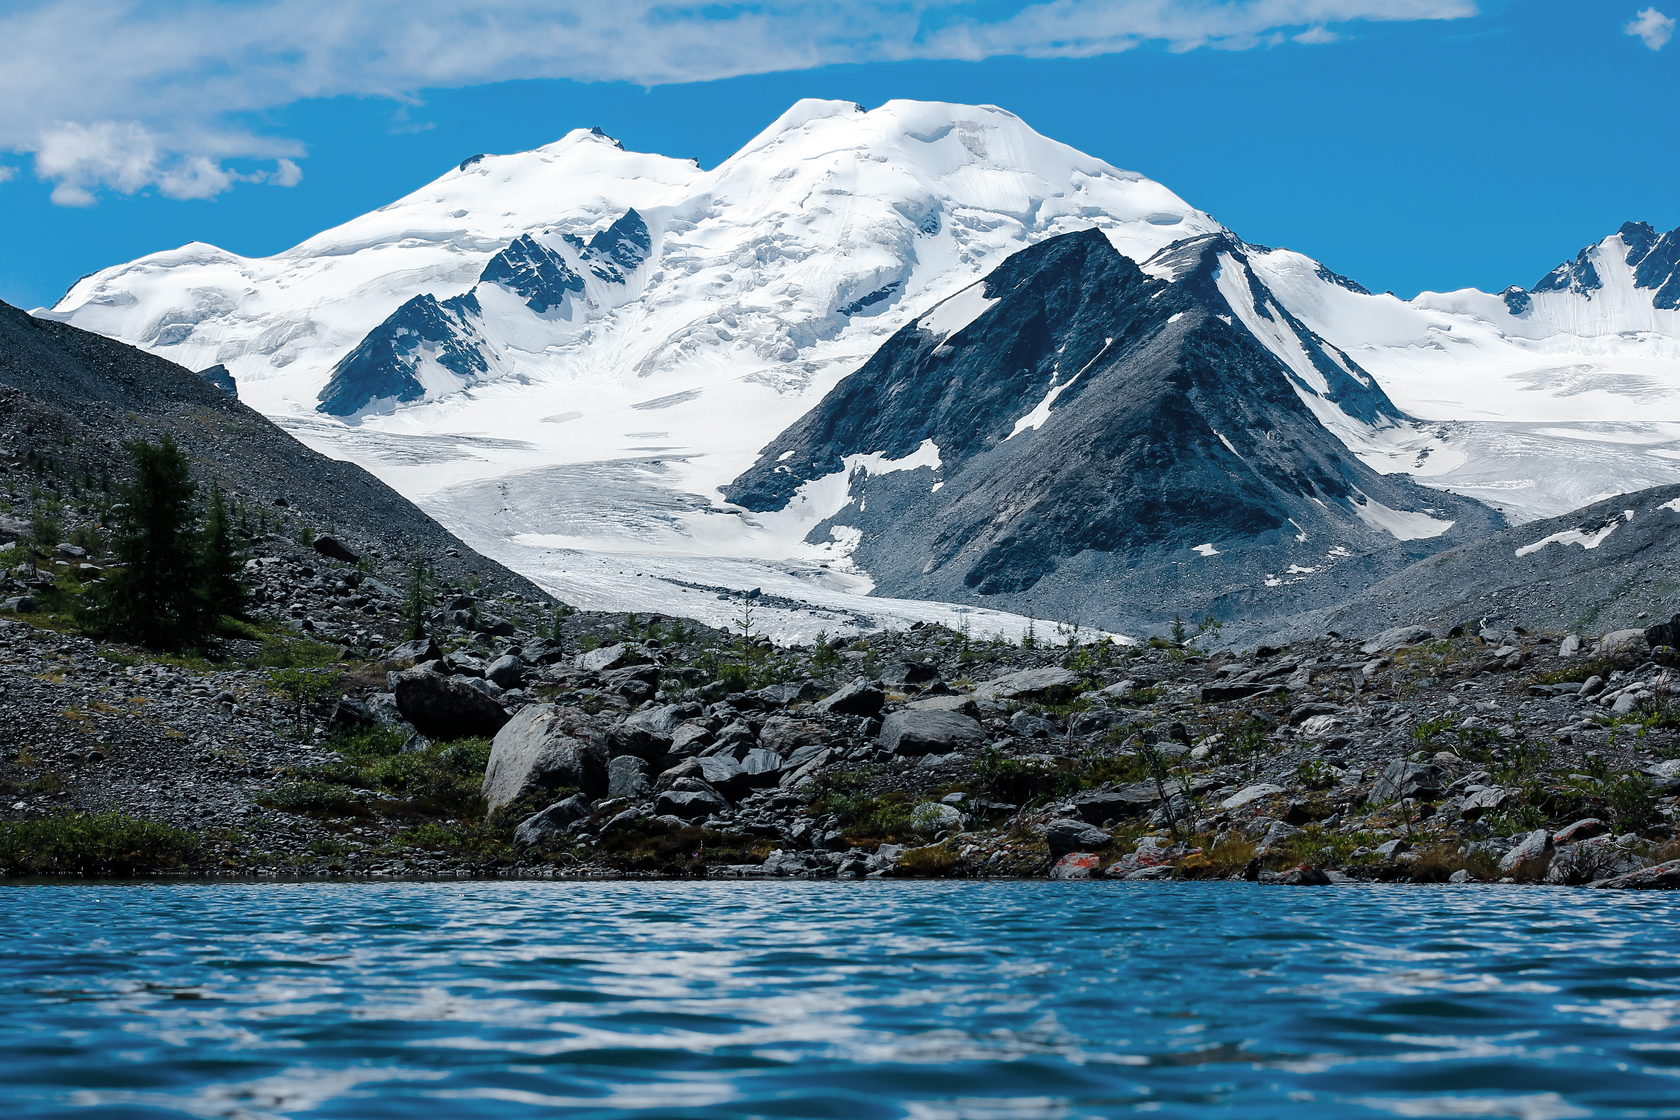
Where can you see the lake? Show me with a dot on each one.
(1015, 1001)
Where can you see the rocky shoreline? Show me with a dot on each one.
(517, 742)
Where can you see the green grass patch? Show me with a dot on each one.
(94, 844)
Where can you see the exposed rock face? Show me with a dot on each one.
(545, 747)
(1079, 434)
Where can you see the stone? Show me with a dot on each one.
(1397, 638)
(1587, 861)
(1025, 725)
(18, 604)
(541, 828)
(786, 734)
(720, 772)
(506, 671)
(1623, 643)
(1302, 876)
(620, 656)
(416, 652)
(627, 776)
(545, 747)
(1388, 849)
(1114, 804)
(1076, 865)
(915, 732)
(1663, 877)
(1277, 834)
(930, 818)
(1152, 853)
(690, 805)
(762, 766)
(1486, 799)
(909, 674)
(1231, 690)
(646, 734)
(1251, 794)
(443, 708)
(859, 698)
(1461, 876)
(1570, 646)
(1664, 633)
(1066, 834)
(1584, 829)
(334, 549)
(1530, 858)
(1046, 685)
(1402, 778)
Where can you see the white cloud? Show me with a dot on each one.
(185, 72)
(1653, 27)
(7, 173)
(80, 160)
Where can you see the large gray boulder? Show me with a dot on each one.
(1401, 778)
(1530, 858)
(1066, 834)
(915, 731)
(627, 776)
(646, 734)
(618, 656)
(1046, 685)
(444, 708)
(545, 747)
(541, 828)
(690, 805)
(506, 671)
(859, 698)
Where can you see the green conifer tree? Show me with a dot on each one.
(156, 597)
(219, 561)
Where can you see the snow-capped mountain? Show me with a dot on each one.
(567, 353)
(1077, 437)
(1544, 399)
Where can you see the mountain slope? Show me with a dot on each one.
(73, 395)
(1075, 437)
(1605, 567)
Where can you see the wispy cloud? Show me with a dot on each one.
(1653, 27)
(133, 95)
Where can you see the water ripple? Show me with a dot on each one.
(1014, 1001)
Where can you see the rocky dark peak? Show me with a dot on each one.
(619, 249)
(1517, 299)
(530, 269)
(1654, 257)
(1106, 442)
(383, 367)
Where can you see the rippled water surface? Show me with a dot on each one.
(1009, 1000)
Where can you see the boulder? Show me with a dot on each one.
(627, 776)
(915, 731)
(1065, 834)
(786, 734)
(1664, 633)
(1485, 799)
(334, 549)
(620, 656)
(930, 818)
(1397, 638)
(646, 734)
(1047, 685)
(762, 767)
(416, 652)
(1250, 794)
(859, 698)
(1530, 858)
(1114, 804)
(1402, 778)
(1076, 865)
(444, 708)
(541, 828)
(1584, 829)
(1662, 877)
(690, 805)
(1152, 853)
(506, 671)
(720, 772)
(545, 747)
(18, 604)
(1623, 643)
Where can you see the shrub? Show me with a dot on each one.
(110, 844)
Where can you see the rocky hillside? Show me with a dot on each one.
(1607, 566)
(69, 399)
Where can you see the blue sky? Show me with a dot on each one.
(1410, 144)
